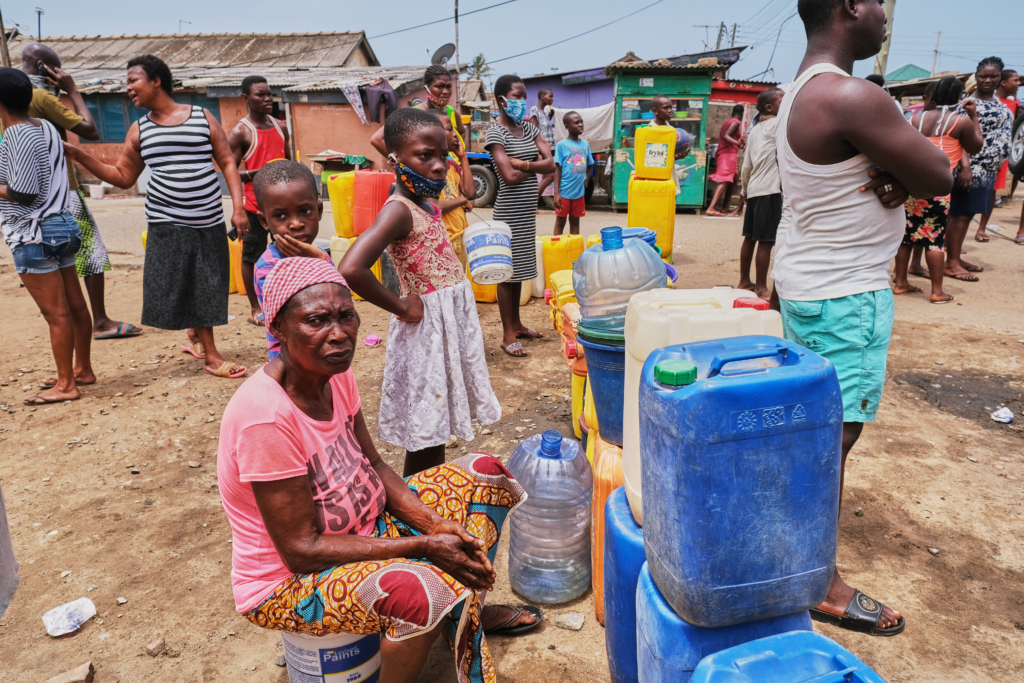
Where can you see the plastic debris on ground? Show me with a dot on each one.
(1004, 415)
(69, 617)
(372, 340)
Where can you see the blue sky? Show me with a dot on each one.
(670, 27)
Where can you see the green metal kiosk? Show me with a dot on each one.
(689, 87)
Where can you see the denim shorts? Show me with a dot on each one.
(852, 332)
(61, 240)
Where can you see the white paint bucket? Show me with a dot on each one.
(334, 658)
(96, 191)
(489, 251)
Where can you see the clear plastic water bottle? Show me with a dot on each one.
(606, 275)
(549, 552)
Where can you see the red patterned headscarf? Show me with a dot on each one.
(292, 275)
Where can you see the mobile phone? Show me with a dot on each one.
(45, 70)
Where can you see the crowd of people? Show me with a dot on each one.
(317, 517)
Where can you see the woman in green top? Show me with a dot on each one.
(438, 83)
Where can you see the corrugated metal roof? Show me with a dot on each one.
(263, 50)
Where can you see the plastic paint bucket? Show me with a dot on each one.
(337, 657)
(489, 252)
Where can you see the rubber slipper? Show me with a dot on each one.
(1020, 241)
(503, 629)
(225, 371)
(37, 400)
(861, 616)
(912, 290)
(258, 321)
(974, 269)
(52, 382)
(191, 350)
(515, 349)
(963, 278)
(951, 299)
(123, 331)
(982, 238)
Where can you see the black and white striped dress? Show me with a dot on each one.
(32, 162)
(187, 274)
(184, 189)
(517, 204)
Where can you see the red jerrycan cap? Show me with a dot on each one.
(568, 348)
(750, 302)
(548, 296)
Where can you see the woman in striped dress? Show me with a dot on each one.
(519, 153)
(185, 282)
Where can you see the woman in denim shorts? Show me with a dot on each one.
(43, 235)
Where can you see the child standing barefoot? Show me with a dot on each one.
(435, 374)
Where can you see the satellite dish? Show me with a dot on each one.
(443, 54)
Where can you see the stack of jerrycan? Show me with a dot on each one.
(740, 461)
(652, 190)
(655, 319)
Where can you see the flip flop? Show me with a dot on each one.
(861, 616)
(951, 299)
(535, 335)
(982, 238)
(513, 348)
(52, 382)
(1020, 241)
(963, 278)
(912, 290)
(974, 269)
(258, 321)
(37, 400)
(225, 370)
(123, 331)
(191, 350)
(503, 629)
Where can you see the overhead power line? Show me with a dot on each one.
(578, 35)
(439, 21)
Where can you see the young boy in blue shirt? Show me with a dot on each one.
(573, 162)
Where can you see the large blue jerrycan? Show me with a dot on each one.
(669, 649)
(740, 446)
(623, 559)
(797, 657)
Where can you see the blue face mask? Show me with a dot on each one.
(415, 183)
(516, 109)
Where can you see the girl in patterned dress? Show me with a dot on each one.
(435, 374)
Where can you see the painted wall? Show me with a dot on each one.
(319, 127)
(592, 94)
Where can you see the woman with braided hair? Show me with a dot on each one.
(952, 133)
(438, 82)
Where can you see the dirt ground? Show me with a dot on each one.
(933, 472)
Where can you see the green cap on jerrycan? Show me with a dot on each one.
(675, 373)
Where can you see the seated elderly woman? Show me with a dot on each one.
(327, 538)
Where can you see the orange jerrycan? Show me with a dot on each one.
(235, 283)
(370, 189)
(607, 477)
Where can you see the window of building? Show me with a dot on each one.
(114, 114)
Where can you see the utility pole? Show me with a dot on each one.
(935, 57)
(3, 42)
(721, 33)
(733, 42)
(39, 23)
(882, 59)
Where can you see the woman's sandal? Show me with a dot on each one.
(861, 616)
(503, 629)
(225, 370)
(982, 238)
(515, 349)
(196, 350)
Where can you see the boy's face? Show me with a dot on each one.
(575, 124)
(425, 151)
(772, 107)
(291, 209)
(663, 109)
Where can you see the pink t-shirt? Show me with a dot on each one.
(264, 436)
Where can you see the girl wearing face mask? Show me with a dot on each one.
(519, 153)
(435, 374)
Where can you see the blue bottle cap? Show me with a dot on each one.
(551, 443)
(611, 238)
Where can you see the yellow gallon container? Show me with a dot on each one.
(560, 252)
(607, 465)
(579, 383)
(665, 317)
(235, 283)
(652, 205)
(341, 190)
(484, 294)
(145, 234)
(592, 240)
(654, 151)
(589, 411)
(562, 293)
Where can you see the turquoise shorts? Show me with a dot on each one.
(854, 334)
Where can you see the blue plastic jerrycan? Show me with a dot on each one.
(670, 649)
(797, 657)
(623, 560)
(740, 445)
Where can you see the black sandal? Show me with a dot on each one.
(503, 629)
(861, 616)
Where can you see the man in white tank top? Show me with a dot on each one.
(843, 222)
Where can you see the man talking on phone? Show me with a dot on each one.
(42, 65)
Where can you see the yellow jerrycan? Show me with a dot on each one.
(654, 152)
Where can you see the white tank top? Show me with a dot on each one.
(834, 240)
